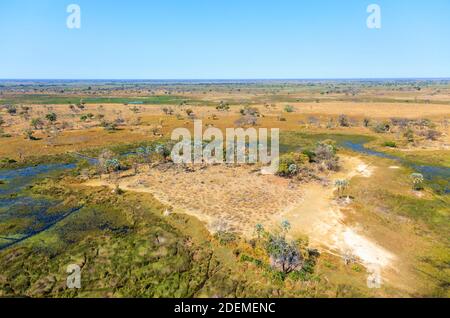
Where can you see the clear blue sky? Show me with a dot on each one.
(192, 39)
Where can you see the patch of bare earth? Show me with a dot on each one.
(224, 197)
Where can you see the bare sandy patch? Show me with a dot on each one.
(231, 198)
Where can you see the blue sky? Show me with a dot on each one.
(223, 39)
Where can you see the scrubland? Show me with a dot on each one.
(360, 198)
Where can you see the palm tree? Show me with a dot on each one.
(417, 180)
(341, 185)
(285, 225)
(259, 229)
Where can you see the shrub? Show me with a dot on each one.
(167, 110)
(366, 122)
(432, 134)
(332, 164)
(112, 165)
(325, 150)
(51, 117)
(425, 123)
(109, 126)
(289, 109)
(225, 237)
(37, 123)
(382, 127)
(252, 111)
(391, 144)
(409, 135)
(401, 122)
(290, 163)
(223, 106)
(11, 109)
(344, 121)
(29, 134)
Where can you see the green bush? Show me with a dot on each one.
(290, 163)
(391, 144)
(288, 108)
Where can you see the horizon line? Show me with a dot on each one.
(225, 79)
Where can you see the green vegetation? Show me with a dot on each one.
(55, 99)
(290, 163)
(390, 144)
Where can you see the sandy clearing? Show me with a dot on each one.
(231, 198)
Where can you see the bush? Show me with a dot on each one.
(223, 106)
(427, 123)
(225, 237)
(37, 123)
(167, 110)
(432, 134)
(109, 126)
(366, 122)
(11, 109)
(383, 127)
(290, 163)
(409, 135)
(344, 121)
(252, 111)
(310, 154)
(325, 150)
(28, 133)
(289, 109)
(391, 144)
(401, 122)
(51, 117)
(332, 164)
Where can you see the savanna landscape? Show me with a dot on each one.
(359, 205)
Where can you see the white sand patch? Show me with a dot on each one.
(367, 251)
(364, 170)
